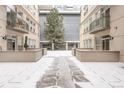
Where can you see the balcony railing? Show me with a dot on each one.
(99, 24)
(16, 23)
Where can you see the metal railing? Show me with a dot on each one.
(16, 22)
(99, 24)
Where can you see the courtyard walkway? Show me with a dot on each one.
(61, 69)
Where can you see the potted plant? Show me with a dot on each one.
(25, 44)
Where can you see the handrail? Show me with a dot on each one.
(99, 24)
(14, 20)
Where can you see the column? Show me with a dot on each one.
(66, 45)
(52, 46)
(78, 45)
(74, 45)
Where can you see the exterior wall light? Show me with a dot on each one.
(116, 27)
(5, 37)
(111, 37)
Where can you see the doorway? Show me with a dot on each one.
(11, 44)
(105, 43)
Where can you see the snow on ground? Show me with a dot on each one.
(22, 74)
(26, 74)
(102, 74)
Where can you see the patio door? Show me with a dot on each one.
(105, 43)
(11, 44)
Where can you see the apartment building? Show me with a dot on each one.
(117, 29)
(95, 27)
(102, 28)
(71, 23)
(16, 23)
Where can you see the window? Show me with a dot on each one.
(31, 29)
(12, 7)
(27, 19)
(85, 9)
(96, 15)
(31, 22)
(34, 13)
(87, 29)
(90, 43)
(34, 7)
(102, 9)
(84, 44)
(20, 13)
(90, 19)
(28, 42)
(87, 43)
(84, 29)
(31, 43)
(8, 9)
(34, 30)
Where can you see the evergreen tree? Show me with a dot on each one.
(54, 31)
(26, 43)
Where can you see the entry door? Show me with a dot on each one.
(11, 44)
(105, 44)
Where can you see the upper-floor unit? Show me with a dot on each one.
(95, 18)
(20, 19)
(17, 22)
(95, 26)
(45, 7)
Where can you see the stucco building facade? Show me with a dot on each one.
(16, 22)
(117, 29)
(102, 28)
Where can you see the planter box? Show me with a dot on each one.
(21, 56)
(74, 50)
(97, 56)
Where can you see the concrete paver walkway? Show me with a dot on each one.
(60, 68)
(58, 74)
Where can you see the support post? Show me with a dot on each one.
(66, 45)
(52, 46)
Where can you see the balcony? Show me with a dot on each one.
(99, 24)
(16, 23)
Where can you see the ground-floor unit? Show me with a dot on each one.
(15, 28)
(106, 31)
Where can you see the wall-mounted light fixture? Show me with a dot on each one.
(4, 37)
(111, 37)
(116, 27)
